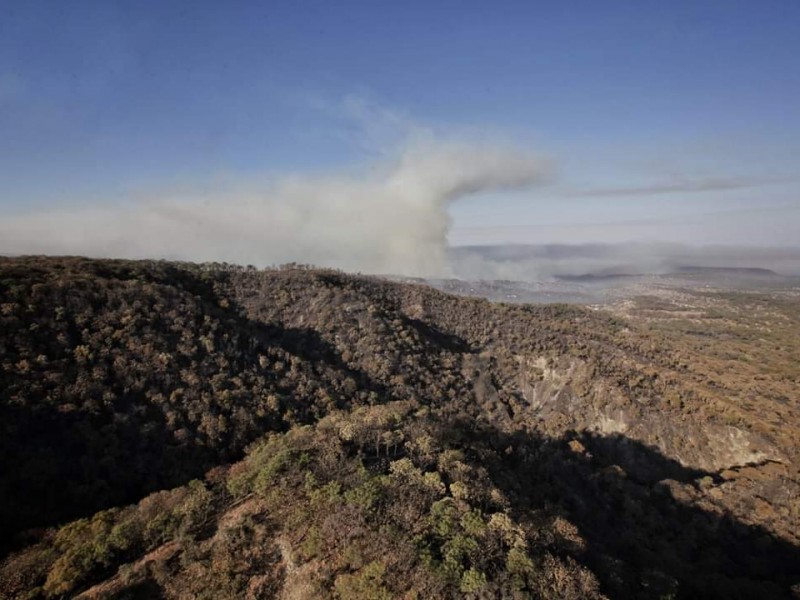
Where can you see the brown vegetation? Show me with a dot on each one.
(403, 443)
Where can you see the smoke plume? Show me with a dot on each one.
(392, 219)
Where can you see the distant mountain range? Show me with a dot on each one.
(539, 262)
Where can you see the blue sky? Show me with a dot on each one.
(674, 121)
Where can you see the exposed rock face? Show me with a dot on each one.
(704, 445)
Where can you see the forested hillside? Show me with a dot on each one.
(209, 431)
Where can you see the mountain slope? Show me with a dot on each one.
(589, 439)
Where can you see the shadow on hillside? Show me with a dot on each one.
(643, 464)
(59, 465)
(436, 338)
(644, 538)
(311, 346)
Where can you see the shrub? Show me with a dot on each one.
(366, 584)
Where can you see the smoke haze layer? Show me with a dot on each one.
(393, 219)
(529, 262)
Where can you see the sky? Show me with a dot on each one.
(674, 122)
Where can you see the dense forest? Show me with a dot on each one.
(213, 431)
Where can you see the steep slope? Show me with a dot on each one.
(398, 501)
(119, 379)
(611, 458)
(562, 367)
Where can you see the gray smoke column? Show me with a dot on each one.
(392, 219)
